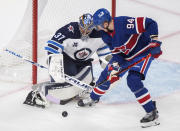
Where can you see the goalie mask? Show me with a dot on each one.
(86, 25)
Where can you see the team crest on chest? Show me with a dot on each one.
(82, 54)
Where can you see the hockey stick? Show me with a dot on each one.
(125, 69)
(75, 81)
(68, 78)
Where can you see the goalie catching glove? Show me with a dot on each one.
(56, 67)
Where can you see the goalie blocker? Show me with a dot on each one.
(56, 67)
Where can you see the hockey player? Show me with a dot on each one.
(130, 39)
(69, 51)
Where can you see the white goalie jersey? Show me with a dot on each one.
(68, 40)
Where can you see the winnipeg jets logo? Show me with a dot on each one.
(82, 54)
(71, 28)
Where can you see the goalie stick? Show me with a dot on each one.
(68, 78)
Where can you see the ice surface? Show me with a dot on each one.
(118, 110)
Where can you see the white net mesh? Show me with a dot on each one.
(52, 14)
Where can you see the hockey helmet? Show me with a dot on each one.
(86, 21)
(86, 24)
(100, 16)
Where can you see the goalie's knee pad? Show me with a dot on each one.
(134, 81)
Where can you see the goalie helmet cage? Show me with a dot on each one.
(40, 21)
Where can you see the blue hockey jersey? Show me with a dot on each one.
(131, 36)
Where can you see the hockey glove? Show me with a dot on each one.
(112, 70)
(155, 48)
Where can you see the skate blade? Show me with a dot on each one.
(86, 106)
(149, 124)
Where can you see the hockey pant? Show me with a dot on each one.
(134, 81)
(81, 70)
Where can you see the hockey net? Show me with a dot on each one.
(52, 14)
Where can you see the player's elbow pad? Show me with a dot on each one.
(151, 27)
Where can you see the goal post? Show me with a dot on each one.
(113, 9)
(34, 39)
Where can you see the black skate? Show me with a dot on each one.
(87, 102)
(34, 99)
(150, 119)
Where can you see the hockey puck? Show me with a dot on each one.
(64, 113)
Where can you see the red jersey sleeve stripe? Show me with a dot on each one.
(140, 24)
